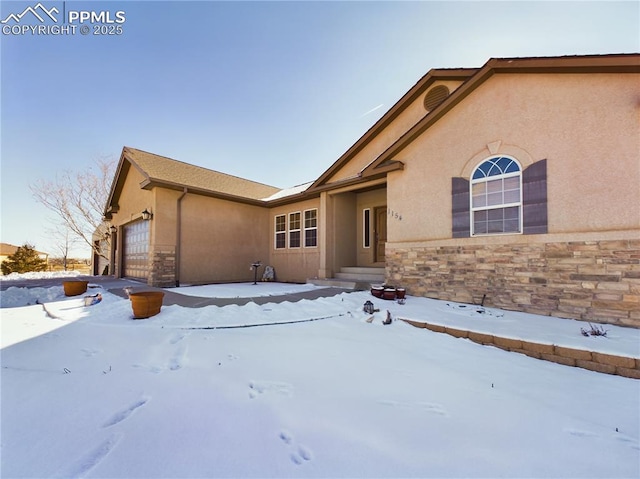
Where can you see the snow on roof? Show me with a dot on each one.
(294, 190)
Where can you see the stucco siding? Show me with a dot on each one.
(299, 263)
(134, 199)
(584, 125)
(220, 239)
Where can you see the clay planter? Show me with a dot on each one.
(74, 288)
(389, 293)
(377, 291)
(400, 293)
(146, 303)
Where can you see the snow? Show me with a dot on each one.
(98, 394)
(294, 190)
(243, 290)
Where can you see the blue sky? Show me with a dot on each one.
(270, 91)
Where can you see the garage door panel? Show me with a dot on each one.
(136, 250)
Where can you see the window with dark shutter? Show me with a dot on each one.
(460, 207)
(534, 198)
(496, 198)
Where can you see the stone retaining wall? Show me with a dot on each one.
(596, 281)
(600, 362)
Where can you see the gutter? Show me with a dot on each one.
(179, 233)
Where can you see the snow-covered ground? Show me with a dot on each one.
(243, 290)
(98, 394)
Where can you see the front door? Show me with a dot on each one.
(380, 233)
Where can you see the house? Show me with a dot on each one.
(516, 183)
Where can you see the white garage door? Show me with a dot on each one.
(136, 250)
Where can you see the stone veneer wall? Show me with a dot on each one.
(596, 281)
(162, 268)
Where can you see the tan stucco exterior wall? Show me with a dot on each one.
(133, 200)
(293, 264)
(220, 239)
(593, 163)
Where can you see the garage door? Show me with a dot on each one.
(136, 250)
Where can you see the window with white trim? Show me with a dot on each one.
(294, 230)
(496, 197)
(310, 228)
(281, 232)
(366, 228)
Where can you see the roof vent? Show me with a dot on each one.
(435, 96)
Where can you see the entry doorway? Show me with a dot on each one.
(380, 234)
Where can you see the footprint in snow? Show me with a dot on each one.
(425, 406)
(125, 413)
(177, 361)
(298, 453)
(579, 432)
(257, 388)
(177, 338)
(633, 443)
(90, 352)
(91, 458)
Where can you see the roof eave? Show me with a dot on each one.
(455, 74)
(624, 63)
(150, 183)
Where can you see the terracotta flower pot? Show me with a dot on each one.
(400, 293)
(377, 291)
(74, 288)
(389, 293)
(146, 303)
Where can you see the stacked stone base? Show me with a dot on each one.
(597, 281)
(162, 271)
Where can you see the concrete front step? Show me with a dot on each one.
(358, 270)
(353, 277)
(368, 278)
(341, 283)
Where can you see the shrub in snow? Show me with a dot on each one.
(594, 331)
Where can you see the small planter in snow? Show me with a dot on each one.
(146, 303)
(377, 291)
(74, 288)
(389, 293)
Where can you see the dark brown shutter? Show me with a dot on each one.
(460, 208)
(534, 198)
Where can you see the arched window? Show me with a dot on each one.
(496, 197)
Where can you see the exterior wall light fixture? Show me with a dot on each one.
(146, 215)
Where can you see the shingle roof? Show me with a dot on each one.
(165, 171)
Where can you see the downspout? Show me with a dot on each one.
(179, 233)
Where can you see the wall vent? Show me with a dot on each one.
(435, 96)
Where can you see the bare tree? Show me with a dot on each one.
(64, 241)
(78, 199)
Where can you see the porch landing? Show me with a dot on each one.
(353, 277)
